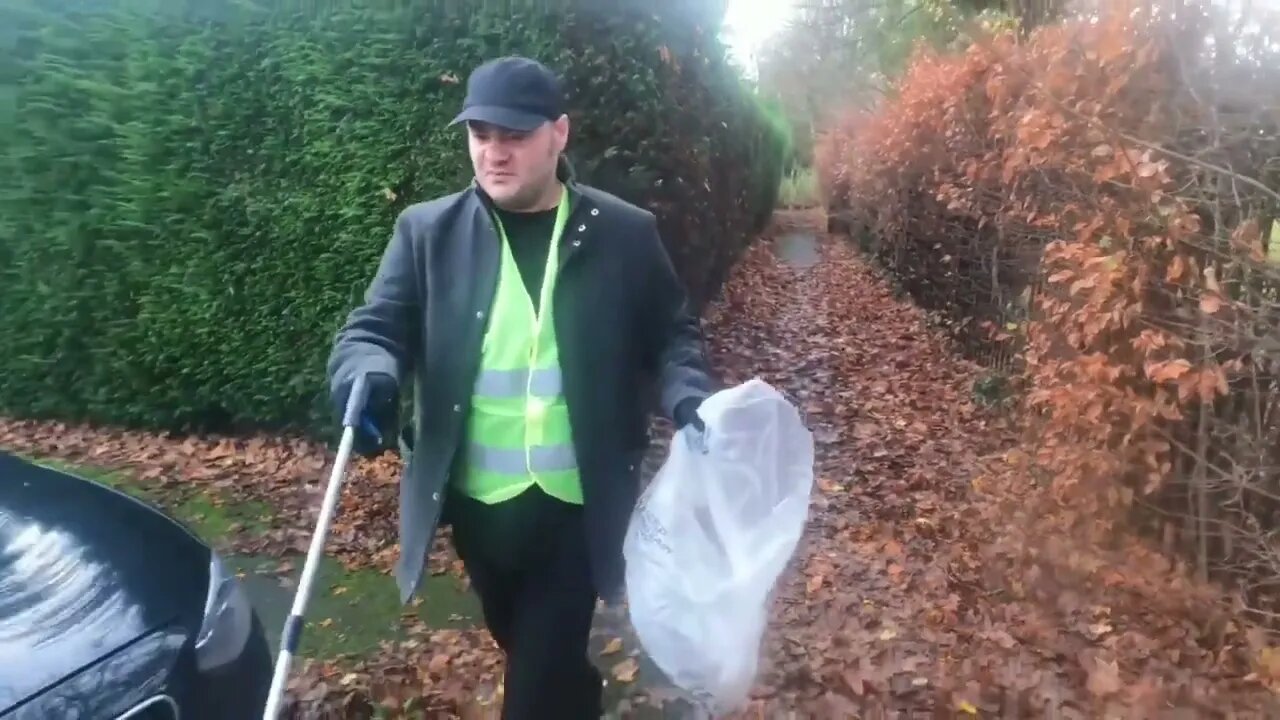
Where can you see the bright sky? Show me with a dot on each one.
(748, 23)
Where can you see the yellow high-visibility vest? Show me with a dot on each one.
(518, 431)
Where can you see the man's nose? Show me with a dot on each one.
(499, 153)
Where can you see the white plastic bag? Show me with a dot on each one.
(710, 536)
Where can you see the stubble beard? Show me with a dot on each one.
(538, 194)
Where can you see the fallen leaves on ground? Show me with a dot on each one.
(934, 579)
(443, 673)
(285, 475)
(626, 670)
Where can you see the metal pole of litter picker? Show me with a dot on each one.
(292, 633)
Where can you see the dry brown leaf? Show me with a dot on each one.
(625, 671)
(814, 583)
(439, 662)
(1104, 677)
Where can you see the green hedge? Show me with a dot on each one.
(196, 201)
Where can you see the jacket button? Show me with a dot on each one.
(479, 314)
(595, 211)
(435, 497)
(457, 408)
(631, 468)
(582, 228)
(577, 243)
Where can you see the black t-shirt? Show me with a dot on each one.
(529, 234)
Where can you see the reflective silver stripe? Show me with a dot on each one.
(542, 458)
(150, 703)
(513, 383)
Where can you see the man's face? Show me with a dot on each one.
(515, 168)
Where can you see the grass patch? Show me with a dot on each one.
(351, 612)
(209, 516)
(213, 517)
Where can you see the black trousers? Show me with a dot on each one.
(527, 560)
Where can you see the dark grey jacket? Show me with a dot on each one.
(622, 323)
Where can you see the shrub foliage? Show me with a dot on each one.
(198, 193)
(1099, 198)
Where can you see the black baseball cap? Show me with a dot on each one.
(516, 93)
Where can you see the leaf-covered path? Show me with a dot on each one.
(934, 579)
(897, 441)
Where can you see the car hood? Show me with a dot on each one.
(85, 570)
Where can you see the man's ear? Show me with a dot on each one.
(561, 127)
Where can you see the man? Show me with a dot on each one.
(532, 315)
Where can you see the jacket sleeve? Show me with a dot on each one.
(676, 349)
(380, 335)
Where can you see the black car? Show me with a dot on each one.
(111, 609)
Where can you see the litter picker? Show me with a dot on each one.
(293, 625)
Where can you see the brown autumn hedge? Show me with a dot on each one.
(1098, 200)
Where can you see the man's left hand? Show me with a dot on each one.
(687, 414)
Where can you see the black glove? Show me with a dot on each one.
(376, 430)
(686, 413)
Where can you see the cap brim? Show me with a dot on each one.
(502, 117)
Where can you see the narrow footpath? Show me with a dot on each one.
(929, 582)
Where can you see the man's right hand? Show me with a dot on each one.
(380, 414)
